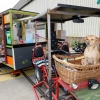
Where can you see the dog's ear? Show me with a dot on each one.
(85, 38)
(97, 39)
(98, 47)
(98, 43)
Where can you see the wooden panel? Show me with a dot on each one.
(10, 60)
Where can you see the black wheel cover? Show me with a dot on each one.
(38, 75)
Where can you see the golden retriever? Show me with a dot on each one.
(91, 53)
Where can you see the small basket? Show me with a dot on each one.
(71, 71)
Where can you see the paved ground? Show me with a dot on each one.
(16, 89)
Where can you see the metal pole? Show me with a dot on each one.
(4, 37)
(35, 31)
(61, 28)
(49, 55)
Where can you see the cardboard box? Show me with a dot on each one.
(61, 35)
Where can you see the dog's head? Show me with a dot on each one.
(91, 40)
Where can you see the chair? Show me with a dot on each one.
(38, 57)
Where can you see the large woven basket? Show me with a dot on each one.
(71, 71)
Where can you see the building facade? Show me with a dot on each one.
(90, 26)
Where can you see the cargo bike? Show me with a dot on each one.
(76, 79)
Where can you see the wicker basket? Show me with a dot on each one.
(71, 71)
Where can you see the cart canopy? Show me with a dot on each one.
(65, 12)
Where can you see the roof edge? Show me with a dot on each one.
(21, 4)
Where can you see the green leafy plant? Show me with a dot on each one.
(74, 43)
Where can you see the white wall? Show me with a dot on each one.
(91, 25)
(86, 3)
(41, 5)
